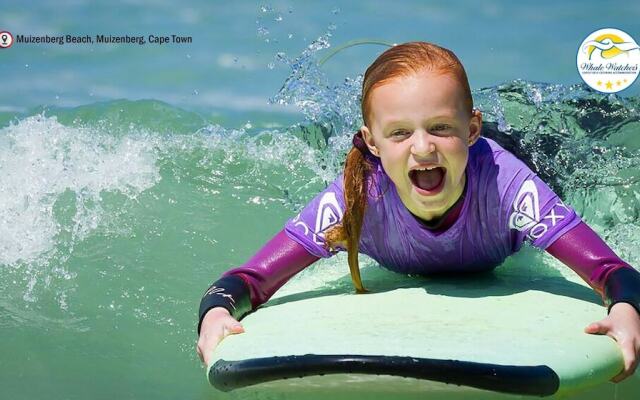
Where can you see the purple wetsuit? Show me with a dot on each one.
(503, 205)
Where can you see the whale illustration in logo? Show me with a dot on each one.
(608, 46)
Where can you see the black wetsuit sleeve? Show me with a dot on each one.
(243, 289)
(230, 292)
(623, 286)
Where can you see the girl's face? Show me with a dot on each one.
(420, 121)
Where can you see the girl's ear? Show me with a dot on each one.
(368, 140)
(475, 126)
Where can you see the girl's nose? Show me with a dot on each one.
(423, 143)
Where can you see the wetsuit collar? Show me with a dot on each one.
(448, 218)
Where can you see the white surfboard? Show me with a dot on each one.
(463, 336)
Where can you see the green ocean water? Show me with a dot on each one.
(116, 216)
(116, 212)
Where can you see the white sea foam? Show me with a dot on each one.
(41, 159)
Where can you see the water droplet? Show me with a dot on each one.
(262, 31)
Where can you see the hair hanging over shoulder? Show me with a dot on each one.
(397, 61)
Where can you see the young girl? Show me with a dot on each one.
(423, 192)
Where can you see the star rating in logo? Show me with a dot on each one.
(609, 84)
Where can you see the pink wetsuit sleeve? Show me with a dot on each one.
(582, 250)
(272, 266)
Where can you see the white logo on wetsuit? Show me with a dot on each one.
(329, 213)
(297, 222)
(220, 292)
(526, 211)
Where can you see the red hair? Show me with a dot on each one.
(398, 61)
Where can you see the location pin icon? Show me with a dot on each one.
(4, 39)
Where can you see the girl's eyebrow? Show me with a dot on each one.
(392, 123)
(395, 122)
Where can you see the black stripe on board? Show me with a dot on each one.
(537, 380)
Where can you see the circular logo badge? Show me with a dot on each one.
(6, 40)
(608, 60)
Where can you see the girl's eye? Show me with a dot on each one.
(399, 133)
(440, 127)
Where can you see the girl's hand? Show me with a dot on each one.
(623, 325)
(216, 325)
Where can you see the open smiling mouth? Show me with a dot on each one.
(428, 182)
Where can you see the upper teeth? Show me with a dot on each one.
(425, 168)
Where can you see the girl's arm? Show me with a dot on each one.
(616, 281)
(582, 250)
(244, 288)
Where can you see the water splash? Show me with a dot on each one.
(53, 179)
(89, 212)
